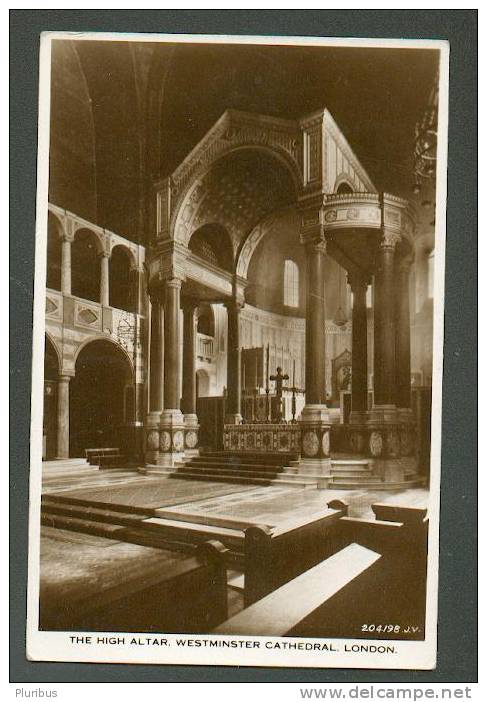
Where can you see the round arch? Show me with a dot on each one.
(122, 283)
(102, 406)
(85, 265)
(55, 233)
(212, 243)
(344, 185)
(52, 368)
(191, 191)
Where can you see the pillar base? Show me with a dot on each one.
(233, 419)
(152, 437)
(171, 438)
(315, 440)
(191, 435)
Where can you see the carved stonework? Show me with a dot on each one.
(178, 440)
(153, 440)
(375, 444)
(165, 441)
(406, 442)
(392, 443)
(311, 443)
(357, 442)
(191, 439)
(325, 443)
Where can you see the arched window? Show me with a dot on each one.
(291, 284)
(344, 188)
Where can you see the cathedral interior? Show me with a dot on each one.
(238, 347)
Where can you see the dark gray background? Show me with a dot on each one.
(457, 643)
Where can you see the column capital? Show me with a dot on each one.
(358, 280)
(235, 304)
(315, 246)
(389, 239)
(189, 304)
(173, 283)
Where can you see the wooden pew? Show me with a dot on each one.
(372, 572)
(273, 557)
(89, 583)
(282, 610)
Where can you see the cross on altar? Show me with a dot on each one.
(278, 378)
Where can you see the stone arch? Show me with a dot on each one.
(101, 397)
(55, 233)
(49, 340)
(85, 264)
(109, 340)
(213, 243)
(189, 191)
(122, 282)
(52, 371)
(252, 241)
(344, 184)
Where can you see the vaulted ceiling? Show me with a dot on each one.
(124, 114)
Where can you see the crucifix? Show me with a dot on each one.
(279, 377)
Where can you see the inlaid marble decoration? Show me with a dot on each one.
(375, 443)
(165, 441)
(191, 438)
(178, 440)
(311, 443)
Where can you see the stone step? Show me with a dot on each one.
(231, 471)
(358, 480)
(281, 458)
(352, 474)
(349, 462)
(214, 478)
(91, 513)
(300, 481)
(378, 485)
(235, 464)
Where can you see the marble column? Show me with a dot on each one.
(315, 427)
(358, 284)
(155, 378)
(156, 354)
(315, 324)
(105, 281)
(172, 359)
(234, 380)
(403, 337)
(171, 445)
(63, 416)
(384, 325)
(66, 266)
(188, 400)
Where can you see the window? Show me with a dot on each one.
(291, 284)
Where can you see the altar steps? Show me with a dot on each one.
(140, 528)
(244, 468)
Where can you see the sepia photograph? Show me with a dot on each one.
(237, 362)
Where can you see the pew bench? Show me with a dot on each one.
(281, 611)
(89, 583)
(274, 556)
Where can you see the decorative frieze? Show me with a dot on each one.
(262, 437)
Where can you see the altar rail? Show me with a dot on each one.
(262, 437)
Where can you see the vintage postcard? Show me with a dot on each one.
(238, 347)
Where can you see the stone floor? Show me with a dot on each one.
(259, 505)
